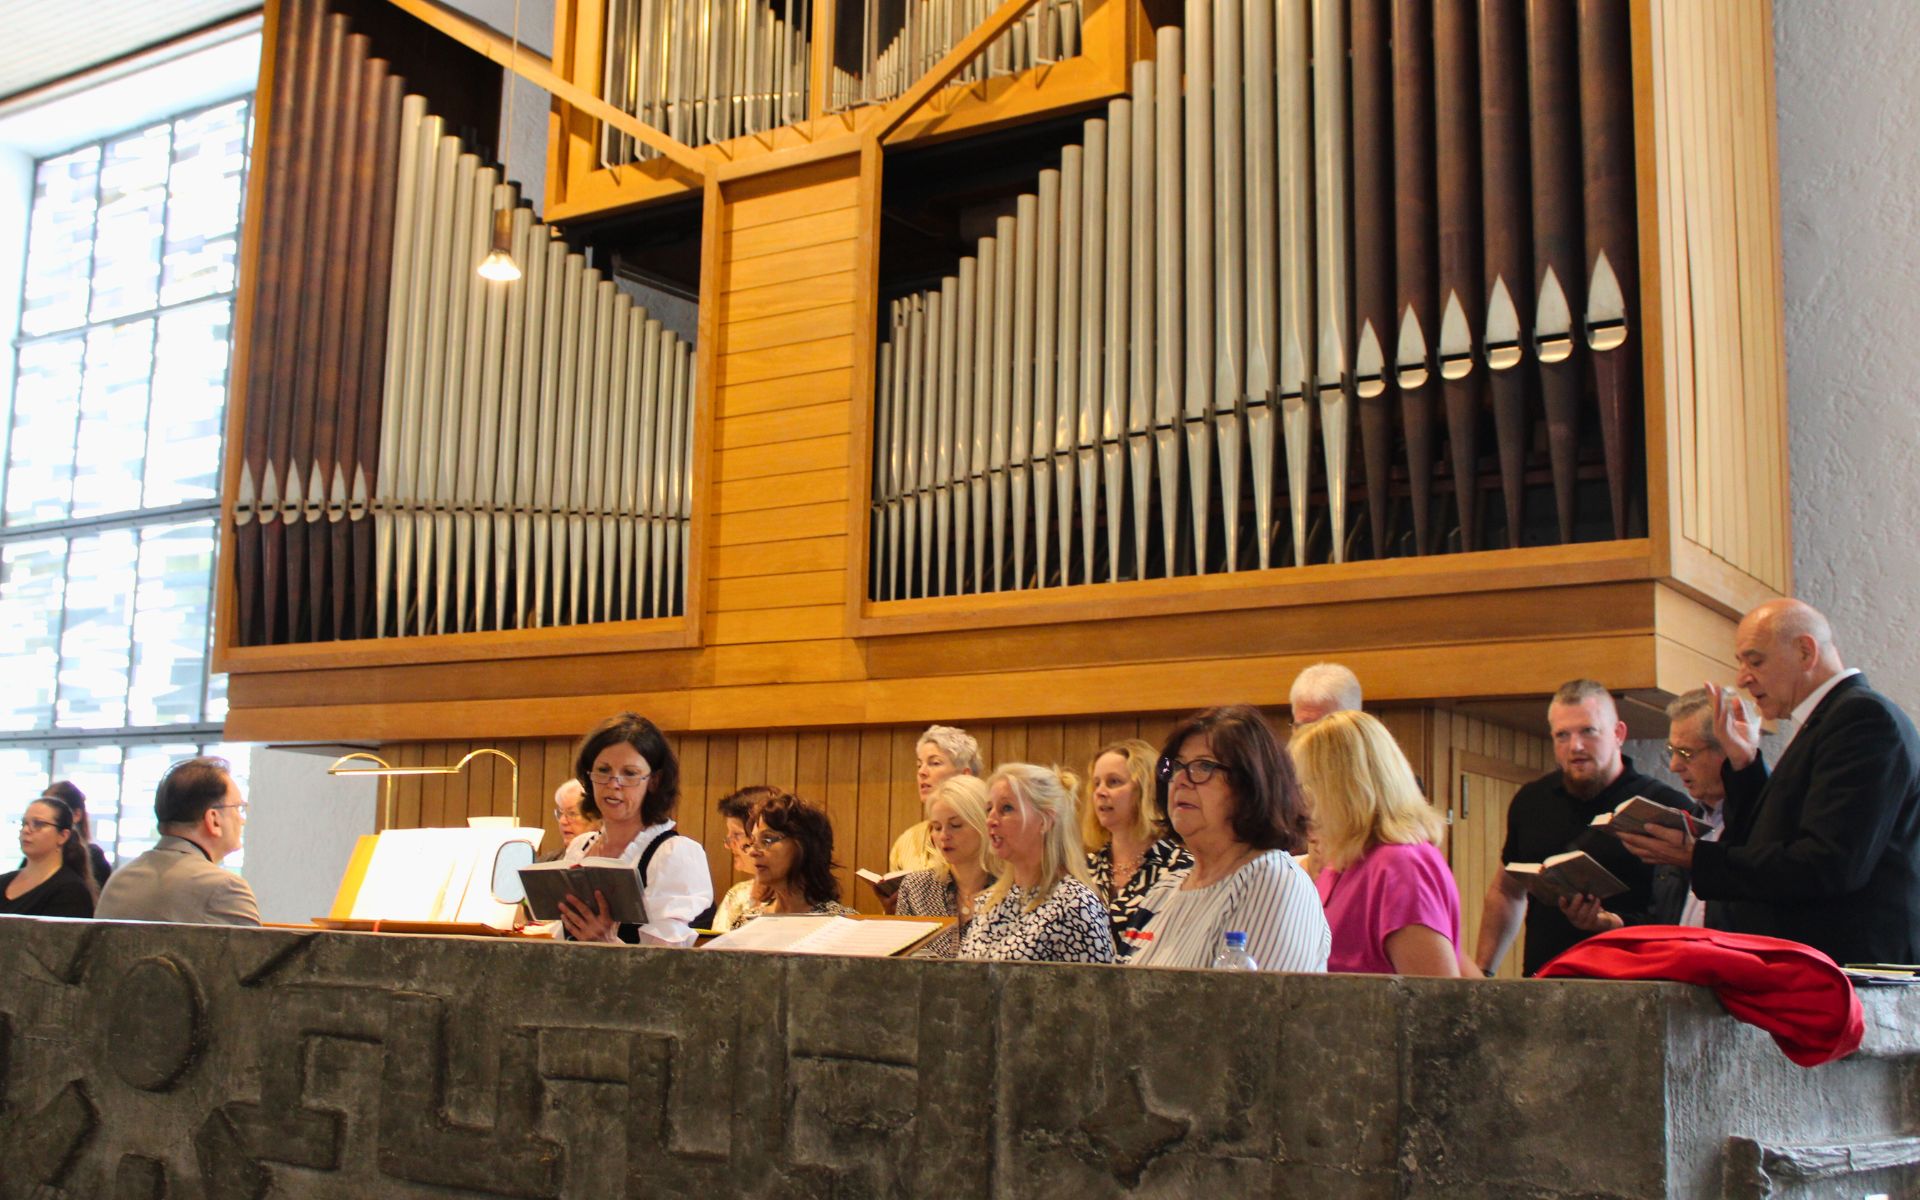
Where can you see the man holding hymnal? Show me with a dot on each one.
(1553, 816)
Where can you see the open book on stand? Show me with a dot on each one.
(618, 881)
(1636, 813)
(806, 933)
(1574, 873)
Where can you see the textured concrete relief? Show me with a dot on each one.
(182, 1063)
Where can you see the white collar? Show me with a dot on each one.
(1804, 709)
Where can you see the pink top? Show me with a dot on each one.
(1390, 888)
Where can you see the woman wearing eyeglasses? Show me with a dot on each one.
(1131, 846)
(56, 880)
(1389, 895)
(1042, 908)
(1233, 799)
(790, 843)
(736, 809)
(627, 767)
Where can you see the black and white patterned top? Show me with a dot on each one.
(826, 908)
(933, 894)
(1070, 925)
(1163, 856)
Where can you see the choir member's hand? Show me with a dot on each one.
(585, 924)
(1735, 726)
(1584, 912)
(1660, 845)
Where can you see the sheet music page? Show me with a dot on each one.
(771, 933)
(869, 939)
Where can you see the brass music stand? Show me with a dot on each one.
(389, 772)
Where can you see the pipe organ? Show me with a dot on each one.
(425, 451)
(706, 71)
(1398, 222)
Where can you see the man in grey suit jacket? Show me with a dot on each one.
(201, 814)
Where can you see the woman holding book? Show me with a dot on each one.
(736, 809)
(1390, 898)
(1233, 799)
(1042, 908)
(1130, 843)
(790, 843)
(957, 815)
(625, 764)
(55, 880)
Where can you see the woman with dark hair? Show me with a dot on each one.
(791, 844)
(57, 879)
(68, 793)
(628, 769)
(1233, 799)
(736, 808)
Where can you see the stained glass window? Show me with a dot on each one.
(109, 484)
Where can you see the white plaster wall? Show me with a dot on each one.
(1849, 110)
(301, 827)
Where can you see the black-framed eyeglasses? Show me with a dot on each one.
(1198, 772)
(35, 825)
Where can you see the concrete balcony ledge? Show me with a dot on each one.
(182, 1061)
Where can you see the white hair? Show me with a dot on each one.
(1327, 683)
(570, 787)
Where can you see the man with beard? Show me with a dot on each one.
(1554, 814)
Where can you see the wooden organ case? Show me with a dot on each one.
(1057, 364)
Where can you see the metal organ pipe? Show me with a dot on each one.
(1300, 215)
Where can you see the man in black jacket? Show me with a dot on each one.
(1825, 849)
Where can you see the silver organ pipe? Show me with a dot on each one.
(519, 479)
(1171, 313)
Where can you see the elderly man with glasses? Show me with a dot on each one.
(201, 814)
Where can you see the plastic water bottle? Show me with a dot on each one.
(1233, 954)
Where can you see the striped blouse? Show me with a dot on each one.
(1269, 898)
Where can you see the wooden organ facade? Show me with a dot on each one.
(1518, 503)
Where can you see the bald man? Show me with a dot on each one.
(1824, 848)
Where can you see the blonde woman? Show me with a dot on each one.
(941, 753)
(1130, 845)
(957, 815)
(1042, 908)
(1390, 899)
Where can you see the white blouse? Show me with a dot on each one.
(678, 885)
(1269, 898)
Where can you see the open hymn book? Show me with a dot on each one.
(1574, 873)
(1636, 813)
(805, 933)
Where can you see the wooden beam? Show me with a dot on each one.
(942, 72)
(538, 70)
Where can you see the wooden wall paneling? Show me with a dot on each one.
(1044, 744)
(694, 815)
(1079, 739)
(874, 811)
(1719, 171)
(723, 779)
(810, 765)
(477, 798)
(903, 789)
(782, 760)
(1010, 744)
(751, 760)
(839, 795)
